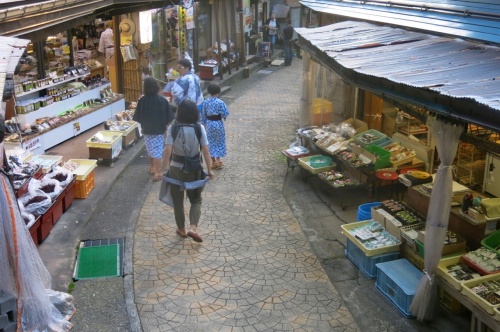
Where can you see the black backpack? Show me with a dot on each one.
(190, 163)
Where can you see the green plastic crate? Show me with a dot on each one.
(383, 156)
(492, 241)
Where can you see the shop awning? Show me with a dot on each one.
(36, 19)
(11, 50)
(471, 19)
(452, 77)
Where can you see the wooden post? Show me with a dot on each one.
(217, 33)
(227, 39)
(232, 12)
(242, 37)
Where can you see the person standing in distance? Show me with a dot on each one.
(272, 27)
(154, 114)
(287, 42)
(213, 112)
(106, 42)
(187, 86)
(178, 150)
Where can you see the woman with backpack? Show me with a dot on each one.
(186, 142)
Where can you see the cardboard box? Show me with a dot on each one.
(359, 125)
(389, 123)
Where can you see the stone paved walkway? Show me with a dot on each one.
(255, 270)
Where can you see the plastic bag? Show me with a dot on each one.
(46, 182)
(295, 143)
(62, 175)
(38, 207)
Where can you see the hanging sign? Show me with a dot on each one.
(190, 18)
(146, 27)
(187, 3)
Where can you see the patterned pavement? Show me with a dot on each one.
(255, 270)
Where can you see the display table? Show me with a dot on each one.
(480, 319)
(473, 233)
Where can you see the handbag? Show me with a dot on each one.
(166, 193)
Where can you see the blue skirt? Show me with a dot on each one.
(155, 145)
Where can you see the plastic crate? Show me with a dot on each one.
(379, 138)
(383, 157)
(321, 111)
(304, 163)
(398, 280)
(367, 264)
(367, 251)
(83, 187)
(469, 284)
(320, 161)
(85, 166)
(492, 242)
(443, 272)
(479, 269)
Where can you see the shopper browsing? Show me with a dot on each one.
(271, 29)
(106, 42)
(187, 86)
(287, 42)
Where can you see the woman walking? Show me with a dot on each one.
(154, 114)
(186, 138)
(213, 112)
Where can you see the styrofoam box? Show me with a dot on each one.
(367, 264)
(398, 280)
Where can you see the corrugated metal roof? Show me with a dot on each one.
(472, 19)
(450, 67)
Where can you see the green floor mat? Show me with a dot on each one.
(98, 262)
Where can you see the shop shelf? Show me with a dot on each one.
(467, 291)
(346, 230)
(398, 281)
(449, 302)
(367, 264)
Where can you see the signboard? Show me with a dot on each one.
(264, 49)
(146, 27)
(32, 144)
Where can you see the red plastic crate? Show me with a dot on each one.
(476, 267)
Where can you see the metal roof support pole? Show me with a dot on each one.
(306, 90)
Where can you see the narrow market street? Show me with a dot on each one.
(273, 253)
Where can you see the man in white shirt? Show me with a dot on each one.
(106, 42)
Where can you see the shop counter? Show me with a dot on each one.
(473, 233)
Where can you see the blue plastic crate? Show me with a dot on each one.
(366, 264)
(398, 281)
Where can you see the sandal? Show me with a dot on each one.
(215, 165)
(194, 236)
(157, 178)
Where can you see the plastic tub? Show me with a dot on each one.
(365, 211)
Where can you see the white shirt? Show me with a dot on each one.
(106, 43)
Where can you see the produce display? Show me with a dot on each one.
(372, 235)
(489, 291)
(483, 259)
(338, 179)
(462, 272)
(351, 157)
(367, 138)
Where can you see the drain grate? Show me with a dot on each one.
(100, 258)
